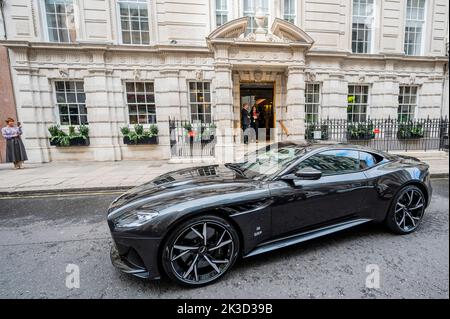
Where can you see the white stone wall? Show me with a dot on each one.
(104, 65)
(190, 21)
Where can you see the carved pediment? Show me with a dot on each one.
(289, 31)
(230, 30)
(280, 32)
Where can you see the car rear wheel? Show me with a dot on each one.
(407, 210)
(200, 251)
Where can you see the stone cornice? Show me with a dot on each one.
(102, 46)
(25, 46)
(376, 57)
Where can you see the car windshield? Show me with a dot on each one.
(268, 161)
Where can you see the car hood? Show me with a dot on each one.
(183, 187)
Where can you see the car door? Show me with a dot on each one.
(334, 196)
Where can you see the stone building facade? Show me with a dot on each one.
(111, 63)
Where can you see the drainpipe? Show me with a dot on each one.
(2, 4)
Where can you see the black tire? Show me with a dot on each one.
(407, 209)
(191, 261)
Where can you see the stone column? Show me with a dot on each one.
(224, 114)
(34, 106)
(334, 97)
(167, 99)
(103, 128)
(384, 98)
(430, 98)
(34, 110)
(295, 102)
(445, 99)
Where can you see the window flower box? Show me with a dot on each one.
(360, 132)
(74, 137)
(145, 140)
(410, 131)
(139, 136)
(76, 141)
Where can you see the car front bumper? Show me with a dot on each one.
(136, 256)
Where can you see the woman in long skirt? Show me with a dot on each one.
(15, 150)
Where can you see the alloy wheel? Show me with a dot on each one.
(409, 210)
(202, 252)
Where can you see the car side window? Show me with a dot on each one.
(333, 162)
(367, 160)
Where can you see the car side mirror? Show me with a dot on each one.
(308, 173)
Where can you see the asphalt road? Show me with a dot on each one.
(40, 236)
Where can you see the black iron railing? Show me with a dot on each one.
(384, 134)
(192, 139)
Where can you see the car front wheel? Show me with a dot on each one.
(200, 250)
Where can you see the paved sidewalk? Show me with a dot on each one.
(82, 176)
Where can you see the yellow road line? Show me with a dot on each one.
(44, 195)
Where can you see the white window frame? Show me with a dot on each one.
(56, 103)
(147, 124)
(227, 10)
(371, 30)
(269, 12)
(415, 106)
(424, 24)
(318, 103)
(119, 24)
(294, 14)
(45, 28)
(359, 104)
(196, 102)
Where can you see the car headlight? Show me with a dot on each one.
(134, 218)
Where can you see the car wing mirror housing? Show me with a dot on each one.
(302, 174)
(308, 173)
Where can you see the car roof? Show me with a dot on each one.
(328, 145)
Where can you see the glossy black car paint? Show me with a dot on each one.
(261, 210)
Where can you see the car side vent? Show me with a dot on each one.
(207, 171)
(247, 207)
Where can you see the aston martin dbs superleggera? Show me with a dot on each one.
(194, 223)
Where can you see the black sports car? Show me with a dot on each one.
(194, 223)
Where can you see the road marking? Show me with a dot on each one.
(66, 194)
(55, 241)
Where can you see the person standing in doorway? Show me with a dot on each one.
(255, 120)
(245, 121)
(15, 150)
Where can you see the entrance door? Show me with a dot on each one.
(260, 97)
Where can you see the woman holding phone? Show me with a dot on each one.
(15, 150)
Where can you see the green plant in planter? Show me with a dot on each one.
(417, 131)
(61, 138)
(83, 130)
(410, 130)
(188, 127)
(139, 132)
(54, 130)
(154, 131)
(58, 136)
(72, 133)
(139, 129)
(360, 131)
